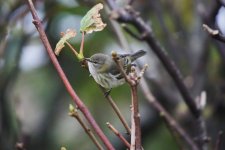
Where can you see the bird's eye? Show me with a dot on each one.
(95, 62)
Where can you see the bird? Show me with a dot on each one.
(105, 71)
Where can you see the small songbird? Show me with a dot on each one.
(105, 71)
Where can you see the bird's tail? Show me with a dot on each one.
(137, 54)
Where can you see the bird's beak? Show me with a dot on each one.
(88, 59)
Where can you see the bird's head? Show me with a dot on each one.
(98, 62)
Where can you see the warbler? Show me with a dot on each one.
(105, 71)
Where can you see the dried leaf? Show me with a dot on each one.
(70, 33)
(92, 21)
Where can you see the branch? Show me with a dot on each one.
(74, 113)
(117, 111)
(135, 119)
(117, 133)
(166, 116)
(214, 33)
(63, 77)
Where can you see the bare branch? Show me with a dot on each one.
(63, 77)
(135, 119)
(74, 113)
(166, 116)
(117, 111)
(117, 133)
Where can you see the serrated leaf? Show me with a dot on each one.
(92, 21)
(70, 33)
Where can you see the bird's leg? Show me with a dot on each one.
(107, 92)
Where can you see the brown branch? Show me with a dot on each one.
(166, 116)
(117, 111)
(214, 33)
(135, 119)
(63, 77)
(117, 133)
(74, 113)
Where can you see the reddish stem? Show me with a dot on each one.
(119, 135)
(82, 44)
(136, 117)
(72, 48)
(63, 77)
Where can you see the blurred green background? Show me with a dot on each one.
(34, 103)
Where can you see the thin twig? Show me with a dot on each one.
(218, 140)
(63, 77)
(214, 33)
(117, 133)
(117, 111)
(74, 113)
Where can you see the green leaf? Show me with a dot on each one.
(92, 21)
(70, 33)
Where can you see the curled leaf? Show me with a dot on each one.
(70, 33)
(92, 21)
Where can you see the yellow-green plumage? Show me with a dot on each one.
(105, 71)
